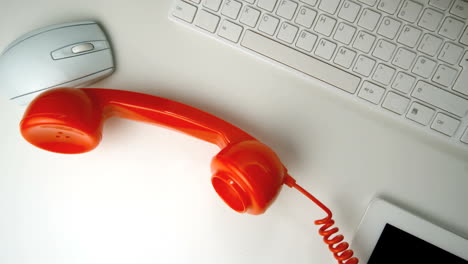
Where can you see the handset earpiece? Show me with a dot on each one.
(247, 174)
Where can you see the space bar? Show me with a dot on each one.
(300, 61)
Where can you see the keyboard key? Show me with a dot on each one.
(445, 124)
(286, 9)
(368, 2)
(464, 138)
(231, 8)
(349, 11)
(329, 6)
(325, 49)
(441, 4)
(430, 44)
(451, 28)
(389, 27)
(404, 58)
(306, 41)
(388, 6)
(287, 32)
(249, 16)
(445, 75)
(371, 92)
(440, 98)
(364, 65)
(369, 19)
(464, 37)
(184, 11)
(325, 25)
(310, 2)
(207, 21)
(306, 16)
(195, 1)
(301, 62)
(430, 19)
(396, 103)
(344, 33)
(410, 11)
(212, 4)
(450, 53)
(383, 74)
(424, 67)
(268, 24)
(460, 8)
(409, 36)
(250, 1)
(364, 41)
(420, 113)
(403, 82)
(461, 83)
(345, 57)
(384, 50)
(230, 31)
(268, 5)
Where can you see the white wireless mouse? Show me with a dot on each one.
(72, 55)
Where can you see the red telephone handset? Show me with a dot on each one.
(247, 174)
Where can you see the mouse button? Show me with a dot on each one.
(64, 37)
(78, 66)
(82, 47)
(78, 49)
(44, 30)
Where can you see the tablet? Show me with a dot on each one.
(389, 234)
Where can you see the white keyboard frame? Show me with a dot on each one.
(454, 141)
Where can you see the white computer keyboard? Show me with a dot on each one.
(406, 58)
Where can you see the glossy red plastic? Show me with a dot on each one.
(247, 174)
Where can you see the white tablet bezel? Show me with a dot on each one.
(380, 212)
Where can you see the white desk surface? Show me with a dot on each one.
(144, 195)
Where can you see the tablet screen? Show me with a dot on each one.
(398, 246)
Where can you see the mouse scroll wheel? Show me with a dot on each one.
(82, 47)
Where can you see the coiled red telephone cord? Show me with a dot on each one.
(336, 245)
